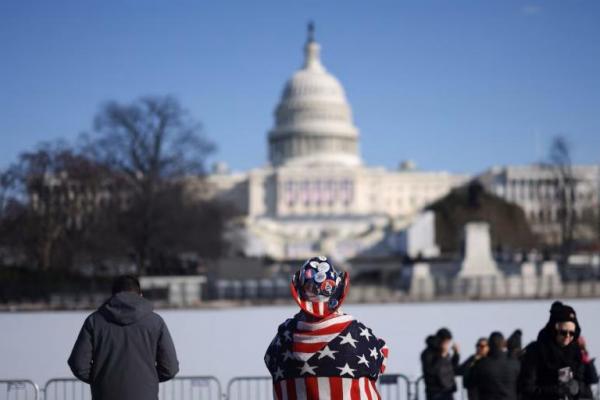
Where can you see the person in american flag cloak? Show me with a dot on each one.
(322, 353)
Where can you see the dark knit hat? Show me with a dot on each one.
(560, 312)
(444, 334)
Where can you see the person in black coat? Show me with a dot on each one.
(495, 376)
(439, 366)
(481, 350)
(513, 344)
(551, 367)
(124, 349)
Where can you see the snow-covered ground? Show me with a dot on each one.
(231, 342)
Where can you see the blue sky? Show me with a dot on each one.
(454, 85)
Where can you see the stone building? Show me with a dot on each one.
(536, 189)
(316, 194)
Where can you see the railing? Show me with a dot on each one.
(390, 386)
(179, 388)
(250, 388)
(461, 392)
(191, 388)
(19, 389)
(497, 287)
(420, 389)
(66, 389)
(395, 387)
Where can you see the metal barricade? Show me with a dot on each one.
(596, 391)
(18, 389)
(395, 387)
(250, 388)
(178, 388)
(391, 387)
(461, 392)
(66, 389)
(420, 389)
(191, 388)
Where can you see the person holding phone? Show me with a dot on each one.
(481, 351)
(552, 367)
(440, 363)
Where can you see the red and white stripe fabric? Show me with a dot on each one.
(384, 352)
(315, 307)
(319, 388)
(311, 337)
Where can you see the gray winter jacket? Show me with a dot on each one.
(124, 350)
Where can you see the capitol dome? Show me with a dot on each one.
(313, 120)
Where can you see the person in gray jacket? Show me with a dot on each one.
(124, 349)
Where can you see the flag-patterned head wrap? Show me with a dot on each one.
(318, 288)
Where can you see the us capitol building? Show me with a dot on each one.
(316, 195)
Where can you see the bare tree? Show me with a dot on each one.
(565, 182)
(8, 206)
(154, 144)
(122, 195)
(7, 190)
(47, 199)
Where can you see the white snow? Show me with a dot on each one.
(232, 342)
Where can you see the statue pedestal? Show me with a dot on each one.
(478, 261)
(529, 279)
(479, 275)
(421, 282)
(550, 282)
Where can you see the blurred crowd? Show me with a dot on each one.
(556, 366)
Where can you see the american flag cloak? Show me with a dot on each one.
(335, 358)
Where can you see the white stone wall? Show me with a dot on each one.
(333, 191)
(293, 212)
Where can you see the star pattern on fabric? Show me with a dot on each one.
(278, 374)
(348, 339)
(287, 355)
(307, 369)
(363, 360)
(355, 352)
(327, 352)
(365, 332)
(374, 353)
(346, 370)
